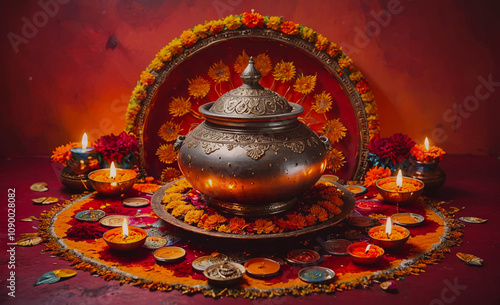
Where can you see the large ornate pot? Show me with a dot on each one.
(251, 156)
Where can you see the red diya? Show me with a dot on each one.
(126, 238)
(364, 253)
(112, 181)
(389, 236)
(400, 190)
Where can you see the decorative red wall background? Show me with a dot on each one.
(432, 65)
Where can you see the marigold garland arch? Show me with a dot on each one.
(295, 61)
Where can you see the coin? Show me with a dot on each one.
(45, 200)
(65, 272)
(39, 187)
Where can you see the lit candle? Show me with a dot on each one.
(125, 229)
(399, 179)
(112, 171)
(388, 227)
(426, 143)
(84, 158)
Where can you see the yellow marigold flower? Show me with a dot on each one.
(147, 78)
(356, 76)
(264, 226)
(165, 54)
(224, 229)
(308, 34)
(321, 42)
(284, 71)
(193, 216)
(211, 222)
(219, 72)
(175, 46)
(335, 160)
(290, 28)
(333, 50)
(263, 64)
(330, 207)
(322, 102)
(367, 97)
(374, 132)
(166, 153)
(169, 197)
(334, 130)
(169, 174)
(140, 92)
(201, 30)
(131, 114)
(156, 64)
(182, 209)
(346, 63)
(274, 22)
(174, 204)
(215, 26)
(198, 87)
(232, 22)
(237, 224)
(371, 108)
(298, 221)
(169, 131)
(319, 212)
(305, 84)
(179, 106)
(241, 62)
(188, 38)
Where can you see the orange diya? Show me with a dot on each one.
(262, 267)
(125, 238)
(364, 253)
(389, 236)
(113, 181)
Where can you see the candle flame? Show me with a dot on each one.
(388, 227)
(426, 143)
(367, 248)
(125, 228)
(210, 182)
(112, 171)
(85, 141)
(399, 179)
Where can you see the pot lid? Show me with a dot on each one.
(251, 99)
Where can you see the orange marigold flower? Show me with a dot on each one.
(215, 26)
(322, 102)
(375, 173)
(179, 106)
(263, 64)
(219, 72)
(140, 92)
(198, 87)
(169, 131)
(420, 153)
(211, 222)
(232, 22)
(305, 84)
(311, 219)
(284, 71)
(319, 212)
(308, 34)
(274, 22)
(241, 62)
(188, 38)
(290, 28)
(252, 20)
(175, 46)
(156, 64)
(147, 78)
(367, 97)
(166, 153)
(283, 224)
(334, 130)
(321, 42)
(237, 224)
(362, 86)
(335, 160)
(333, 50)
(298, 221)
(169, 174)
(193, 216)
(346, 63)
(264, 226)
(165, 54)
(201, 30)
(61, 154)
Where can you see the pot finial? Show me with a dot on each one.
(251, 76)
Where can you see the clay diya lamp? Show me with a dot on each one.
(112, 181)
(125, 239)
(400, 190)
(262, 267)
(364, 253)
(169, 254)
(83, 159)
(389, 236)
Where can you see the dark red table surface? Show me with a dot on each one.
(472, 182)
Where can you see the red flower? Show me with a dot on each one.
(252, 20)
(395, 148)
(290, 28)
(362, 86)
(114, 148)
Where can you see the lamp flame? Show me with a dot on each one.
(388, 226)
(125, 228)
(399, 179)
(112, 171)
(426, 143)
(367, 248)
(85, 141)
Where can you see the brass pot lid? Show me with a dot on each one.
(251, 100)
